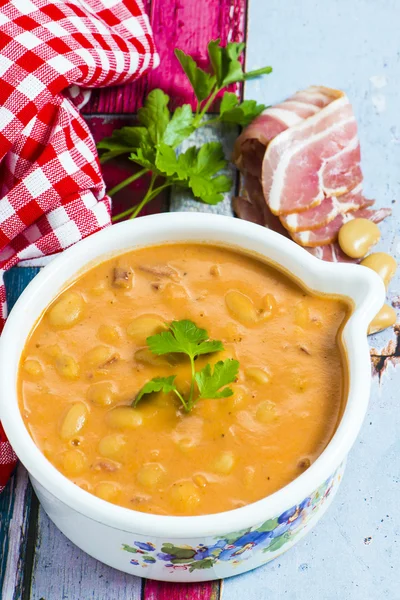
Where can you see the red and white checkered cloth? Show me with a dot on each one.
(51, 190)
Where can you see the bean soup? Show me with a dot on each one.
(128, 400)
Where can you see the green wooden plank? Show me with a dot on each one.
(17, 507)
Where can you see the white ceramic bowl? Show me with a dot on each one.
(202, 547)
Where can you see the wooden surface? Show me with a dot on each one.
(354, 553)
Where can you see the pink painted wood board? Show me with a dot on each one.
(159, 590)
(185, 24)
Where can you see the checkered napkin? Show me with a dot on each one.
(51, 190)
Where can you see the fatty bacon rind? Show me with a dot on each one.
(329, 233)
(301, 162)
(321, 215)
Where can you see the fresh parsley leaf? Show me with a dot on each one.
(210, 159)
(183, 337)
(208, 190)
(202, 82)
(187, 161)
(225, 63)
(180, 126)
(158, 384)
(144, 156)
(195, 169)
(228, 102)
(154, 115)
(152, 143)
(210, 383)
(241, 114)
(123, 141)
(167, 161)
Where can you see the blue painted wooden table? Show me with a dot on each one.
(354, 553)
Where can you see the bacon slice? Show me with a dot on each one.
(301, 165)
(328, 234)
(251, 206)
(324, 213)
(332, 253)
(293, 177)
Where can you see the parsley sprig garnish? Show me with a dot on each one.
(154, 143)
(184, 337)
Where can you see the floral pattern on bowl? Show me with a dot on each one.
(269, 538)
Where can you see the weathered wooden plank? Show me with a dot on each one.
(159, 590)
(115, 171)
(180, 200)
(15, 517)
(63, 572)
(176, 24)
(16, 500)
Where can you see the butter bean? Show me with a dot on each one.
(385, 318)
(241, 307)
(106, 491)
(302, 315)
(74, 421)
(266, 412)
(269, 306)
(74, 462)
(258, 375)
(144, 326)
(150, 474)
(33, 367)
(67, 367)
(148, 358)
(53, 351)
(66, 311)
(99, 356)
(124, 417)
(224, 463)
(185, 496)
(234, 402)
(109, 334)
(110, 446)
(200, 481)
(381, 263)
(101, 393)
(357, 236)
(185, 444)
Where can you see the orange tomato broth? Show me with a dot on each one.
(87, 357)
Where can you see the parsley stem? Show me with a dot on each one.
(144, 201)
(206, 107)
(190, 401)
(148, 197)
(181, 398)
(134, 208)
(210, 121)
(127, 181)
(124, 214)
